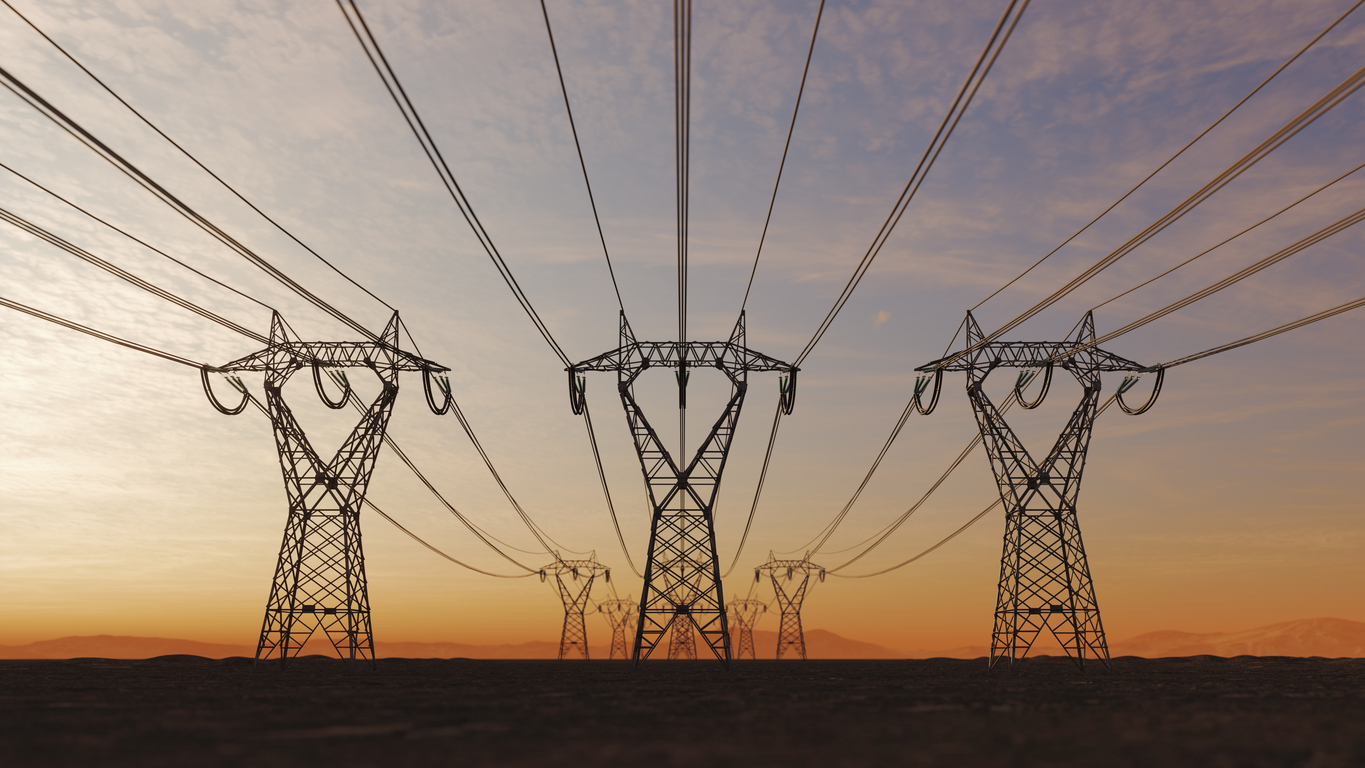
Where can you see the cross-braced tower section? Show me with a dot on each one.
(319, 582)
(1045, 581)
(791, 579)
(682, 573)
(620, 615)
(743, 616)
(574, 579)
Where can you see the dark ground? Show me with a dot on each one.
(180, 710)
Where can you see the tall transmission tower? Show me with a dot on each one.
(319, 581)
(620, 614)
(573, 641)
(682, 642)
(744, 615)
(1045, 581)
(791, 640)
(682, 543)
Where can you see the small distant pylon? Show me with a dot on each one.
(319, 583)
(791, 640)
(574, 579)
(744, 615)
(682, 643)
(621, 616)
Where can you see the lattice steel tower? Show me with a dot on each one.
(682, 574)
(573, 641)
(620, 615)
(319, 581)
(1045, 581)
(743, 616)
(682, 641)
(790, 637)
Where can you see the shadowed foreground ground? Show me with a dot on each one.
(179, 710)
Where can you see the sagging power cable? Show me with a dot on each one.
(1172, 158)
(791, 129)
(606, 490)
(1276, 331)
(581, 162)
(758, 491)
(101, 335)
(999, 37)
(391, 83)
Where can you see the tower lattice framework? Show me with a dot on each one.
(574, 579)
(620, 615)
(319, 582)
(682, 572)
(1045, 580)
(791, 639)
(744, 615)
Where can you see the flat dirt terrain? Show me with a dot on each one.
(179, 710)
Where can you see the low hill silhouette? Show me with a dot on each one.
(1331, 638)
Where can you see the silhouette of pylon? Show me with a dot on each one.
(620, 615)
(744, 615)
(574, 579)
(790, 579)
(1045, 581)
(682, 546)
(682, 642)
(319, 581)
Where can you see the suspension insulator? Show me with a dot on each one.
(443, 384)
(1151, 399)
(607, 576)
(1027, 378)
(786, 385)
(756, 577)
(822, 575)
(921, 384)
(322, 393)
(208, 390)
(578, 386)
(542, 577)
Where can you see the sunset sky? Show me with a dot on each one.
(129, 506)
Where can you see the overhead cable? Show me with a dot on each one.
(800, 91)
(758, 491)
(581, 162)
(194, 159)
(381, 66)
(1277, 330)
(101, 335)
(1172, 158)
(18, 88)
(606, 490)
(423, 542)
(999, 37)
(1322, 106)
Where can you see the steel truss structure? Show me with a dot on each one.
(1045, 581)
(791, 640)
(682, 572)
(319, 581)
(743, 616)
(620, 613)
(682, 641)
(573, 641)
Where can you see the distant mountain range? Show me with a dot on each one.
(1332, 638)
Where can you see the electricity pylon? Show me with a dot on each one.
(790, 638)
(573, 641)
(744, 615)
(619, 613)
(1045, 581)
(682, 643)
(319, 581)
(682, 539)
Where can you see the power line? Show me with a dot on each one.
(1172, 158)
(980, 70)
(606, 490)
(800, 91)
(1277, 330)
(1307, 117)
(391, 83)
(581, 162)
(51, 318)
(194, 159)
(762, 477)
(423, 542)
(30, 97)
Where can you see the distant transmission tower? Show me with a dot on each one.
(319, 580)
(743, 616)
(791, 640)
(1045, 580)
(682, 643)
(573, 641)
(682, 545)
(620, 615)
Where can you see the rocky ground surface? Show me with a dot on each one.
(1204, 711)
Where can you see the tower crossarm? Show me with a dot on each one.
(735, 359)
(1033, 354)
(332, 354)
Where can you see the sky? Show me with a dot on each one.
(131, 507)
